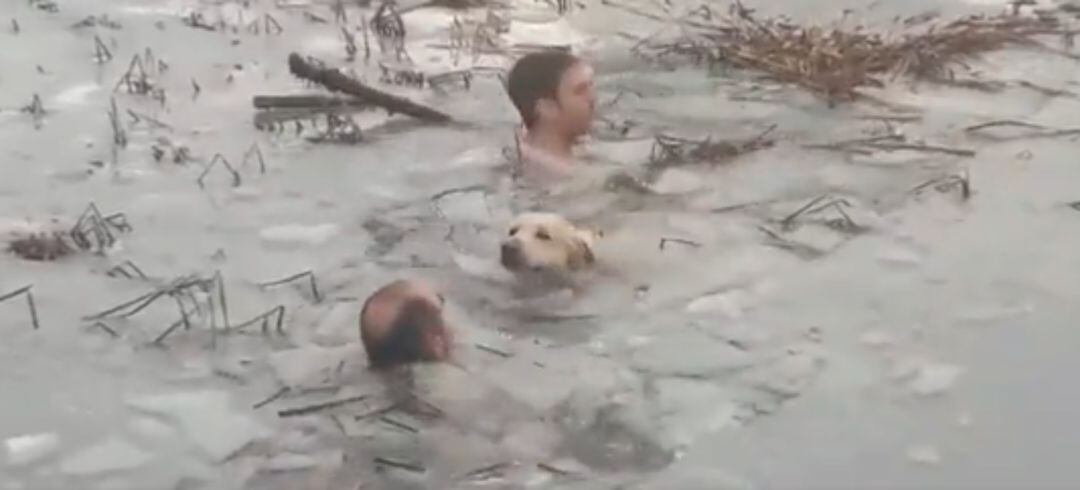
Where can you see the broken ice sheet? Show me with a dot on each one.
(207, 419)
(30, 448)
(115, 454)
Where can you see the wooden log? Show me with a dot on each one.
(306, 102)
(335, 80)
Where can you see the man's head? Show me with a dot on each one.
(553, 90)
(402, 323)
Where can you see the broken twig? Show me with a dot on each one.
(25, 290)
(318, 407)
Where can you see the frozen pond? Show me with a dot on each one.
(928, 346)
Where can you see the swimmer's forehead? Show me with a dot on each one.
(580, 75)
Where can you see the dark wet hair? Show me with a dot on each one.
(403, 342)
(536, 76)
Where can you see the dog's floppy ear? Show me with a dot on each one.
(581, 253)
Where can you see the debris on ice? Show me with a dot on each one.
(30, 448)
(115, 454)
(297, 234)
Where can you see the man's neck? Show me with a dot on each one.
(551, 142)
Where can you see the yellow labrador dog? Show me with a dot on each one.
(547, 246)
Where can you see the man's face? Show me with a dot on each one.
(576, 100)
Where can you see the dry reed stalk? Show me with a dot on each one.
(835, 62)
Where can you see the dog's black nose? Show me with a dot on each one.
(510, 256)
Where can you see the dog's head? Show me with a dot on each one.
(546, 242)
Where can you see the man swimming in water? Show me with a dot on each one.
(402, 323)
(553, 91)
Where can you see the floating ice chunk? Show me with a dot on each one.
(877, 339)
(31, 448)
(899, 256)
(688, 353)
(730, 303)
(793, 374)
(964, 420)
(905, 368)
(339, 326)
(479, 267)
(696, 476)
(677, 181)
(296, 234)
(468, 206)
(990, 313)
(935, 379)
(115, 454)
(151, 428)
(75, 95)
(924, 454)
(206, 418)
(691, 409)
(13, 228)
(290, 462)
(311, 365)
(246, 193)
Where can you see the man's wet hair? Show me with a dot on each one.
(536, 76)
(404, 341)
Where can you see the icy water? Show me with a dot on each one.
(928, 346)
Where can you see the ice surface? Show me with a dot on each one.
(207, 419)
(30, 448)
(114, 454)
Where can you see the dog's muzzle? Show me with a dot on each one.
(510, 256)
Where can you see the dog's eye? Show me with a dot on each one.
(513, 231)
(543, 235)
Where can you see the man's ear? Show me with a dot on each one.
(546, 108)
